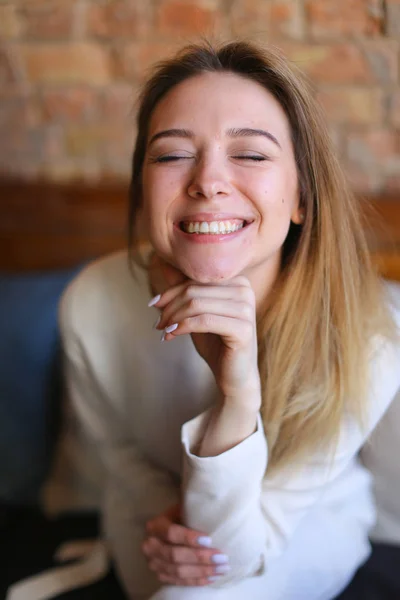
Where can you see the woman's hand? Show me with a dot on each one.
(221, 320)
(181, 556)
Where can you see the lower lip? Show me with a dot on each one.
(213, 238)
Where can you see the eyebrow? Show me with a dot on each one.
(235, 132)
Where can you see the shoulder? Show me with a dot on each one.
(101, 295)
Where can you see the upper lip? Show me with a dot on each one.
(209, 217)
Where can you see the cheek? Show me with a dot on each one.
(279, 194)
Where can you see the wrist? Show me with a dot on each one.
(248, 400)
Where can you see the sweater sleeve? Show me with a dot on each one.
(135, 489)
(251, 516)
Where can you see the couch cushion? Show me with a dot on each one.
(29, 380)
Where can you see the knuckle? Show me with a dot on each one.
(165, 552)
(203, 558)
(195, 303)
(190, 291)
(170, 534)
(181, 571)
(249, 295)
(246, 311)
(242, 281)
(174, 555)
(206, 321)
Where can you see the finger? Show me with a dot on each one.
(162, 527)
(187, 583)
(186, 571)
(176, 312)
(154, 548)
(236, 333)
(191, 289)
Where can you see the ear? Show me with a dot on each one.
(298, 215)
(298, 211)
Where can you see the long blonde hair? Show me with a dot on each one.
(314, 337)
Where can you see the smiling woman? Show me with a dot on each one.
(280, 353)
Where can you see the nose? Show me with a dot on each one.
(209, 179)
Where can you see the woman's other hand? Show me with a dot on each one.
(181, 556)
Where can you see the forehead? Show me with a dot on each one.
(219, 100)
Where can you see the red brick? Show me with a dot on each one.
(9, 68)
(353, 105)
(375, 148)
(118, 152)
(286, 18)
(134, 60)
(90, 140)
(69, 104)
(364, 182)
(249, 17)
(10, 26)
(17, 111)
(48, 20)
(393, 18)
(188, 17)
(344, 63)
(394, 114)
(117, 103)
(350, 18)
(118, 19)
(69, 63)
(383, 60)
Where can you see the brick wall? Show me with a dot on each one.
(69, 71)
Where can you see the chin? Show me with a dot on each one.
(210, 273)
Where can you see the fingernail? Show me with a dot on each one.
(222, 569)
(217, 578)
(154, 300)
(171, 328)
(163, 336)
(220, 558)
(204, 541)
(157, 322)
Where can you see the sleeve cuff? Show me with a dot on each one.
(251, 451)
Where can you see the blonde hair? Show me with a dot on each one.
(327, 304)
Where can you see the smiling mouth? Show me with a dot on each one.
(212, 227)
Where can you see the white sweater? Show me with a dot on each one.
(300, 535)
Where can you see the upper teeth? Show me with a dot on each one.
(213, 227)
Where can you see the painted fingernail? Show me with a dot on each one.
(171, 328)
(212, 579)
(163, 336)
(220, 559)
(204, 541)
(154, 300)
(157, 322)
(222, 569)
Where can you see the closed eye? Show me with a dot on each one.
(255, 157)
(170, 158)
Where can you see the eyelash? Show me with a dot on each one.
(164, 159)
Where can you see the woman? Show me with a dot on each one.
(279, 354)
